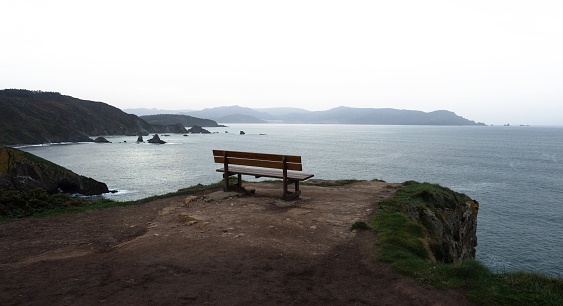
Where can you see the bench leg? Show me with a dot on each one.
(235, 187)
(226, 178)
(291, 195)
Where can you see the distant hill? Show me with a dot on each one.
(184, 120)
(378, 116)
(33, 117)
(153, 111)
(217, 113)
(238, 118)
(338, 115)
(281, 111)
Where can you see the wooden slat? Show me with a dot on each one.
(258, 163)
(259, 156)
(267, 173)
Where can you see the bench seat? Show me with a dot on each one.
(273, 173)
(285, 167)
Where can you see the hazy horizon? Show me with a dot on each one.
(494, 62)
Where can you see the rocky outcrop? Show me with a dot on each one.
(196, 129)
(450, 219)
(24, 171)
(140, 138)
(156, 139)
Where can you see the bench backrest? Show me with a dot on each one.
(263, 160)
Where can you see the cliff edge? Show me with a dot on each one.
(430, 221)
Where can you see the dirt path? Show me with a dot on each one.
(210, 249)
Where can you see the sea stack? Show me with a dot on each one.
(156, 139)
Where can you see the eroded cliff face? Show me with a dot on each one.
(450, 219)
(25, 171)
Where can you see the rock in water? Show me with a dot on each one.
(242, 132)
(101, 140)
(156, 139)
(140, 138)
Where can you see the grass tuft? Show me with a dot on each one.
(360, 225)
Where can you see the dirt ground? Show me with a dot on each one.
(213, 248)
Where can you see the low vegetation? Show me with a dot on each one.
(400, 242)
(17, 204)
(359, 225)
(38, 203)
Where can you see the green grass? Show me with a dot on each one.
(38, 203)
(400, 242)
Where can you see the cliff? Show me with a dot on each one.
(24, 172)
(32, 117)
(439, 224)
(450, 219)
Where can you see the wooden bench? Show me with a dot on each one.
(285, 167)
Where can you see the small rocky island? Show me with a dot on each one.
(156, 139)
(101, 140)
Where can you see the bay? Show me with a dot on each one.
(514, 172)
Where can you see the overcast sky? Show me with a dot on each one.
(489, 61)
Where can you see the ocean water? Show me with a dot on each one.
(516, 173)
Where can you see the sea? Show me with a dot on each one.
(514, 172)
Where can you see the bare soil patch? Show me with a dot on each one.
(212, 248)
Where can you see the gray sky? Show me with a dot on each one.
(489, 61)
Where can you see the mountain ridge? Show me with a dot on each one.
(35, 117)
(337, 115)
